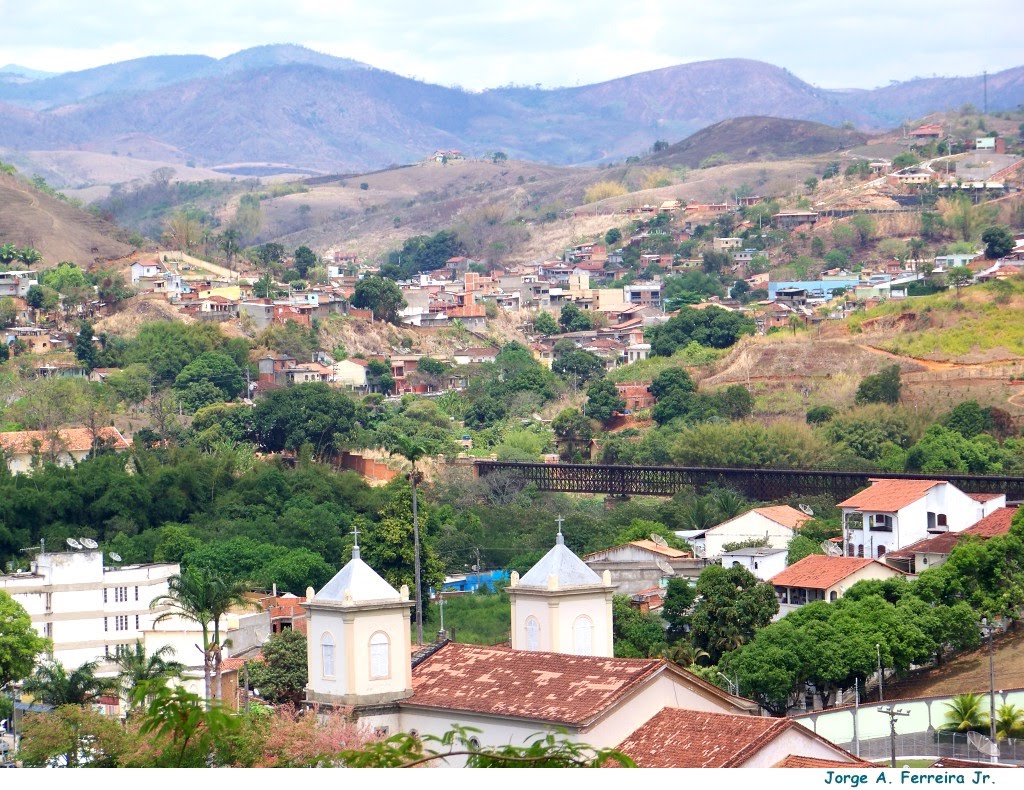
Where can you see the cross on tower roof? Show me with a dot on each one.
(559, 539)
(355, 547)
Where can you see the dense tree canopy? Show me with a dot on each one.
(712, 327)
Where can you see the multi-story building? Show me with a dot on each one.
(89, 610)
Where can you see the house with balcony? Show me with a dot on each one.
(821, 577)
(934, 551)
(892, 514)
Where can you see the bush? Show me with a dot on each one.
(819, 414)
(882, 387)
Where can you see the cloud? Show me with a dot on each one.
(533, 41)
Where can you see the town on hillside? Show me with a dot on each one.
(710, 456)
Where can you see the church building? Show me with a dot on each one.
(559, 672)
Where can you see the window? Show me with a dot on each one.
(104, 595)
(833, 595)
(380, 655)
(327, 654)
(121, 622)
(942, 520)
(583, 636)
(881, 522)
(860, 549)
(881, 551)
(136, 622)
(532, 634)
(136, 592)
(105, 628)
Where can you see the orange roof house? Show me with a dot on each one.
(933, 552)
(821, 577)
(23, 450)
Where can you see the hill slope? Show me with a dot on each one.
(758, 138)
(292, 105)
(58, 230)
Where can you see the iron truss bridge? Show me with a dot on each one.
(760, 484)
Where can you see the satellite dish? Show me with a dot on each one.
(74, 544)
(806, 509)
(983, 744)
(665, 568)
(115, 556)
(831, 549)
(656, 538)
(89, 543)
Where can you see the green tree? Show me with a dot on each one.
(545, 324)
(35, 296)
(572, 319)
(712, 327)
(1009, 721)
(959, 277)
(603, 401)
(800, 547)
(313, 413)
(216, 369)
(137, 668)
(573, 428)
(282, 674)
(881, 387)
(188, 729)
(998, 241)
(381, 295)
(54, 685)
(733, 605)
(635, 634)
(679, 599)
(864, 228)
(85, 350)
(966, 712)
(19, 642)
(578, 366)
(305, 259)
(230, 244)
(613, 236)
(203, 597)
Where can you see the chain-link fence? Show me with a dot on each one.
(935, 744)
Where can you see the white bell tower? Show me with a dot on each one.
(358, 639)
(562, 606)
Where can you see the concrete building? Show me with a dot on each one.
(821, 577)
(24, 450)
(776, 525)
(89, 610)
(643, 564)
(17, 283)
(892, 514)
(762, 561)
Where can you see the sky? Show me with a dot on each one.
(478, 45)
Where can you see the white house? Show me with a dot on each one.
(642, 564)
(350, 373)
(762, 561)
(17, 283)
(893, 513)
(89, 610)
(23, 450)
(776, 525)
(140, 270)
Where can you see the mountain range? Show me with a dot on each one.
(290, 105)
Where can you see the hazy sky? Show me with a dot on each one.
(551, 42)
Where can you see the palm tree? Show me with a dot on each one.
(966, 712)
(229, 244)
(201, 596)
(728, 503)
(137, 668)
(1009, 721)
(684, 654)
(412, 451)
(53, 685)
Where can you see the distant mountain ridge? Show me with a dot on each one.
(285, 103)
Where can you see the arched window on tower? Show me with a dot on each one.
(380, 655)
(583, 636)
(327, 654)
(532, 633)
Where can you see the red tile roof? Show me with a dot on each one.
(679, 738)
(995, 523)
(798, 761)
(69, 439)
(649, 545)
(888, 495)
(819, 571)
(550, 687)
(783, 514)
(984, 497)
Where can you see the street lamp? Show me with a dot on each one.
(988, 629)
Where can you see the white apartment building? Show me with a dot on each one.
(89, 611)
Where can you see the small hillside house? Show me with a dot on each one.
(775, 526)
(821, 577)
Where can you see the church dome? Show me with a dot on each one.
(357, 583)
(566, 567)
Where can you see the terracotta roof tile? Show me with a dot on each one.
(888, 495)
(798, 761)
(995, 523)
(649, 545)
(783, 514)
(819, 571)
(553, 687)
(678, 738)
(983, 497)
(70, 439)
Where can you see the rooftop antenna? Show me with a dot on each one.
(74, 544)
(41, 547)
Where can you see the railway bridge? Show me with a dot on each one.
(760, 484)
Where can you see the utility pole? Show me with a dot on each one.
(892, 713)
(856, 715)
